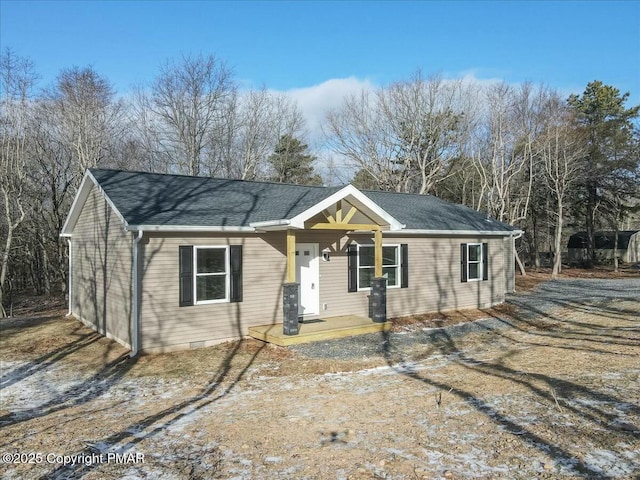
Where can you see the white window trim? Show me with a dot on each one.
(479, 262)
(227, 274)
(398, 264)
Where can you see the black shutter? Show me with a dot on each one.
(235, 261)
(485, 261)
(352, 262)
(463, 262)
(404, 265)
(186, 275)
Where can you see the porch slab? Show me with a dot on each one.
(326, 328)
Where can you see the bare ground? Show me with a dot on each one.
(554, 395)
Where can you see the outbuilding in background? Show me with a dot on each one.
(628, 246)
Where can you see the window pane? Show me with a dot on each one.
(473, 271)
(211, 260)
(366, 274)
(389, 255)
(211, 287)
(392, 276)
(367, 256)
(474, 253)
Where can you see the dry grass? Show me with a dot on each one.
(42, 333)
(536, 276)
(525, 401)
(450, 317)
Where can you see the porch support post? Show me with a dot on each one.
(378, 254)
(291, 256)
(378, 298)
(290, 300)
(290, 290)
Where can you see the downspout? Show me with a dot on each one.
(516, 257)
(70, 260)
(135, 297)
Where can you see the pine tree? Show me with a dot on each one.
(608, 129)
(291, 163)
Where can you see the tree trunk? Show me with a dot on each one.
(615, 250)
(519, 262)
(536, 242)
(45, 266)
(5, 268)
(557, 254)
(591, 240)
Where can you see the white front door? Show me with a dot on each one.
(307, 275)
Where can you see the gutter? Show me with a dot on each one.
(453, 233)
(270, 223)
(188, 228)
(135, 297)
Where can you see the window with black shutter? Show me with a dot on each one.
(352, 262)
(186, 275)
(235, 262)
(404, 265)
(210, 274)
(474, 264)
(361, 266)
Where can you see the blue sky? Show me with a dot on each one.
(299, 45)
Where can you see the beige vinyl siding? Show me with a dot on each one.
(165, 325)
(101, 270)
(434, 276)
(434, 284)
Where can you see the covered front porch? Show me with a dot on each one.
(346, 212)
(327, 328)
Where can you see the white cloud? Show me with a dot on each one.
(315, 101)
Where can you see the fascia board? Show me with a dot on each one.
(76, 206)
(298, 220)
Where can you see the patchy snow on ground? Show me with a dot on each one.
(527, 402)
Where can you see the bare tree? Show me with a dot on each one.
(560, 150)
(18, 79)
(427, 127)
(359, 132)
(250, 131)
(405, 136)
(146, 135)
(503, 153)
(187, 99)
(89, 118)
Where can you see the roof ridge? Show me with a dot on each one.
(267, 182)
(399, 193)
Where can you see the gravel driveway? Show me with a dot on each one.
(544, 298)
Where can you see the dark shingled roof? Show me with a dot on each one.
(603, 240)
(426, 212)
(159, 199)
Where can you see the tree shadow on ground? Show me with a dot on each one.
(129, 436)
(11, 377)
(549, 389)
